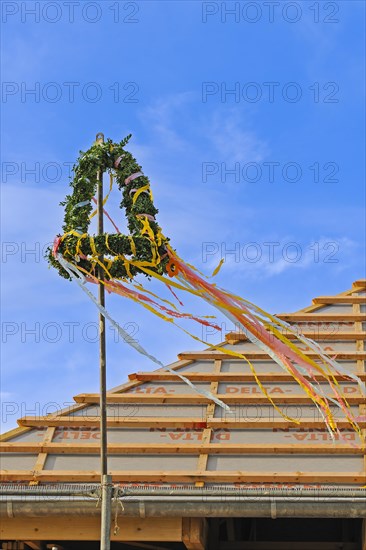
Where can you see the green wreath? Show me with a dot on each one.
(122, 254)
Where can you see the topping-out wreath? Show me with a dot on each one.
(123, 255)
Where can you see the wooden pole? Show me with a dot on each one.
(106, 484)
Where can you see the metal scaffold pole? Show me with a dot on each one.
(106, 480)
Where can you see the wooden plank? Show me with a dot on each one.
(330, 300)
(197, 399)
(177, 476)
(232, 377)
(212, 355)
(220, 423)
(123, 422)
(181, 422)
(322, 317)
(88, 528)
(194, 533)
(315, 335)
(182, 448)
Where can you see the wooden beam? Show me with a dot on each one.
(322, 317)
(185, 476)
(330, 300)
(86, 528)
(197, 399)
(315, 335)
(123, 422)
(305, 423)
(194, 533)
(213, 355)
(182, 422)
(183, 448)
(232, 377)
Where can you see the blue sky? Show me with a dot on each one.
(250, 126)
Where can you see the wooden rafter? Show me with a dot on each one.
(207, 433)
(42, 456)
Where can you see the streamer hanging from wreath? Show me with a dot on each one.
(76, 254)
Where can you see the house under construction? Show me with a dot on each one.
(188, 474)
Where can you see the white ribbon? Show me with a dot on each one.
(80, 280)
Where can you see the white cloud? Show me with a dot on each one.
(161, 116)
(234, 140)
(266, 258)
